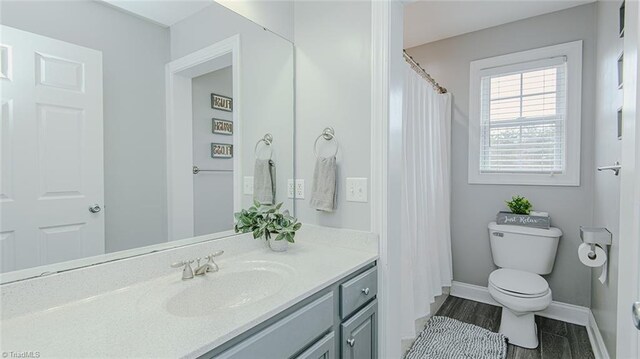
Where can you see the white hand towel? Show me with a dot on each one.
(323, 192)
(264, 181)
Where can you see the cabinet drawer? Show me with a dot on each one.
(322, 349)
(287, 336)
(358, 291)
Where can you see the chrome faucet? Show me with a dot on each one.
(210, 266)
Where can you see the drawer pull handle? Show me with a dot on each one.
(365, 291)
(351, 342)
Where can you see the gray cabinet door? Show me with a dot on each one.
(359, 334)
(322, 349)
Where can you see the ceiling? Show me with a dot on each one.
(165, 13)
(428, 21)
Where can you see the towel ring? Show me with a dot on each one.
(267, 139)
(328, 134)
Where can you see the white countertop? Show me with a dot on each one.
(132, 321)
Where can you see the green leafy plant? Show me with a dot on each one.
(519, 205)
(265, 220)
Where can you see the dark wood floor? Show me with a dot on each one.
(558, 340)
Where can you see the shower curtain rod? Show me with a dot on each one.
(422, 72)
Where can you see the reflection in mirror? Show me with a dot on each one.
(126, 125)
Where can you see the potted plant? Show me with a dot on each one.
(268, 222)
(519, 205)
(521, 214)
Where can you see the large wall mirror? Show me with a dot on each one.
(131, 126)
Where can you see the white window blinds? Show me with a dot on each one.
(523, 117)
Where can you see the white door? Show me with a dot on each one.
(51, 151)
(628, 337)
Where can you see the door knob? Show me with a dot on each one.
(635, 313)
(365, 291)
(95, 208)
(351, 342)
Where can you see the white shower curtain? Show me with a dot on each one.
(426, 238)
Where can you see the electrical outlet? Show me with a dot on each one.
(248, 185)
(299, 189)
(357, 189)
(291, 193)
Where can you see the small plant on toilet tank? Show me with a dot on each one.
(519, 205)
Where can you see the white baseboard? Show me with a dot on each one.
(560, 311)
(557, 310)
(597, 343)
(472, 292)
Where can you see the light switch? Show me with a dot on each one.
(357, 189)
(248, 185)
(299, 189)
(290, 188)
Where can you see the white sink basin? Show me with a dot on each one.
(235, 285)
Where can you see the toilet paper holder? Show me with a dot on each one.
(595, 236)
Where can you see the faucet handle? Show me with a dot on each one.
(215, 254)
(214, 266)
(187, 272)
(181, 263)
(178, 264)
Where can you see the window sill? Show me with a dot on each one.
(562, 180)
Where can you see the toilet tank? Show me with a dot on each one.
(524, 248)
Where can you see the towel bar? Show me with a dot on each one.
(196, 170)
(267, 139)
(328, 134)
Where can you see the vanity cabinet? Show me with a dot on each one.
(339, 321)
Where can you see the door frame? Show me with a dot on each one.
(386, 146)
(179, 147)
(628, 338)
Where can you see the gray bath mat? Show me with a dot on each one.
(446, 338)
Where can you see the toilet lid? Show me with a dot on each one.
(517, 281)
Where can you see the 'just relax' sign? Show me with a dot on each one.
(522, 220)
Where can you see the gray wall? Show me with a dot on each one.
(212, 191)
(333, 88)
(474, 206)
(606, 208)
(134, 54)
(266, 85)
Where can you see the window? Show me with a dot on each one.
(525, 117)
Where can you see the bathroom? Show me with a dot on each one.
(269, 179)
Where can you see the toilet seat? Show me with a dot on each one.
(518, 283)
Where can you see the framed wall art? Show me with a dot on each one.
(222, 127)
(223, 103)
(221, 150)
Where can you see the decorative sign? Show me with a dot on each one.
(221, 150)
(222, 127)
(523, 220)
(221, 103)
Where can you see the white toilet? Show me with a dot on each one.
(522, 253)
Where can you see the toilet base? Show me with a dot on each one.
(520, 328)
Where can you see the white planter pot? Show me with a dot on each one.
(278, 246)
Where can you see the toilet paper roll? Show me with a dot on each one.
(598, 261)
